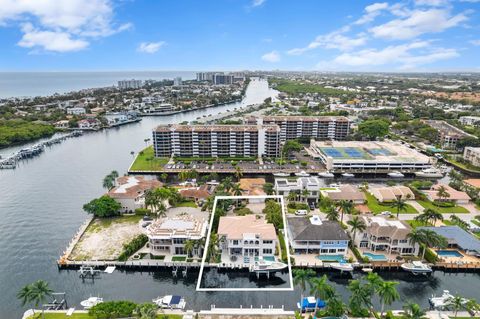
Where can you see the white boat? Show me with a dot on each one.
(170, 302)
(416, 267)
(90, 302)
(342, 266)
(367, 270)
(429, 172)
(441, 302)
(348, 175)
(265, 266)
(281, 174)
(396, 174)
(302, 174)
(326, 174)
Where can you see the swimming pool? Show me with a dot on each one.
(336, 258)
(266, 258)
(449, 253)
(375, 257)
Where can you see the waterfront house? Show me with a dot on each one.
(89, 124)
(472, 155)
(384, 234)
(253, 187)
(130, 191)
(198, 194)
(314, 236)
(455, 196)
(345, 192)
(246, 236)
(62, 124)
(284, 186)
(167, 236)
(76, 111)
(389, 194)
(458, 238)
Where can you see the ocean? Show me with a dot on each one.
(30, 84)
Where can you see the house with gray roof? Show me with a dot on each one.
(315, 236)
(458, 238)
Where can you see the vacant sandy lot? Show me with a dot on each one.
(104, 238)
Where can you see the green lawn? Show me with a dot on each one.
(187, 204)
(146, 161)
(179, 258)
(476, 222)
(377, 207)
(416, 223)
(86, 316)
(101, 223)
(443, 210)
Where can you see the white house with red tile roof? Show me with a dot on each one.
(130, 191)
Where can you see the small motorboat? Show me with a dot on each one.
(416, 267)
(396, 174)
(326, 174)
(429, 172)
(308, 304)
(302, 174)
(441, 302)
(170, 302)
(265, 266)
(367, 270)
(281, 174)
(90, 302)
(348, 175)
(342, 266)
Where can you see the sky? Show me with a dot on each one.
(356, 35)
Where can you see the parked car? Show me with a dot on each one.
(301, 212)
(386, 213)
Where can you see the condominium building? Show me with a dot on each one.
(449, 135)
(314, 236)
(472, 155)
(216, 140)
(130, 84)
(317, 127)
(383, 234)
(168, 235)
(246, 236)
(222, 79)
(177, 81)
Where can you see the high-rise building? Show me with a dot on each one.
(130, 84)
(177, 81)
(216, 140)
(222, 79)
(205, 76)
(317, 127)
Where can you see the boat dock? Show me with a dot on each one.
(11, 161)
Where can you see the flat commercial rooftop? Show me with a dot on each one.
(351, 151)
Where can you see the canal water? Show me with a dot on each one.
(41, 209)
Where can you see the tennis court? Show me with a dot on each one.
(344, 152)
(379, 152)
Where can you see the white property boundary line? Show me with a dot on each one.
(285, 236)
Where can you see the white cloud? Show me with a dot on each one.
(257, 3)
(273, 57)
(70, 19)
(475, 42)
(50, 40)
(333, 40)
(431, 3)
(419, 22)
(407, 56)
(150, 47)
(371, 12)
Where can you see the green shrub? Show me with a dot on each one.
(242, 211)
(133, 246)
(112, 309)
(142, 211)
(443, 204)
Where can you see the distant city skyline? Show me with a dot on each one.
(108, 35)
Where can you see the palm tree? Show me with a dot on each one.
(227, 184)
(301, 278)
(236, 190)
(346, 207)
(357, 224)
(472, 306)
(146, 311)
(332, 214)
(457, 303)
(416, 236)
(400, 205)
(413, 311)
(268, 188)
(335, 307)
(374, 281)
(24, 294)
(426, 238)
(361, 296)
(291, 196)
(183, 175)
(114, 175)
(238, 172)
(442, 193)
(387, 292)
(432, 215)
(321, 289)
(162, 210)
(213, 247)
(108, 182)
(189, 245)
(35, 293)
(305, 194)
